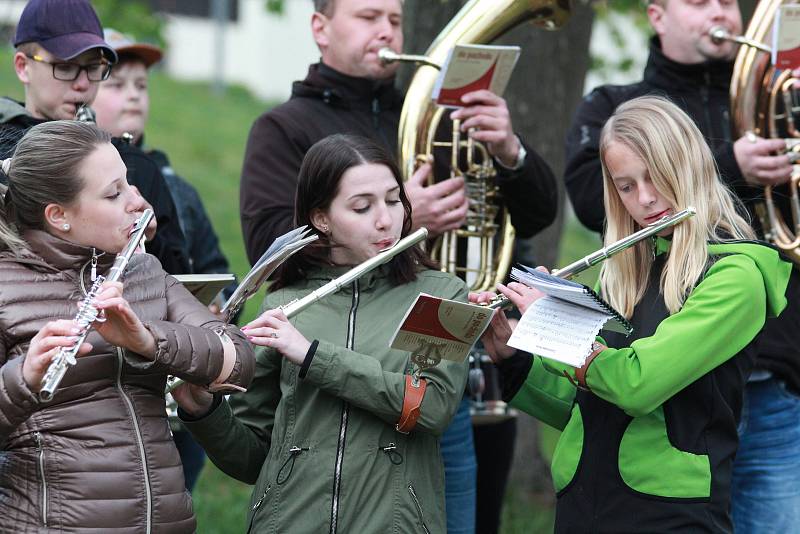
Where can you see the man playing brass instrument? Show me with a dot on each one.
(694, 71)
(351, 91)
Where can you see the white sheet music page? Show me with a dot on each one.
(558, 330)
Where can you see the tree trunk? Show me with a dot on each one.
(544, 91)
(747, 7)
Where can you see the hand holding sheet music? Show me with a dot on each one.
(279, 251)
(563, 324)
(446, 329)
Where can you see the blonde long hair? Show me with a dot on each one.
(682, 169)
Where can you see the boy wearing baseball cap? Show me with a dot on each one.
(61, 59)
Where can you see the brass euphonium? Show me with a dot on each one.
(489, 244)
(764, 103)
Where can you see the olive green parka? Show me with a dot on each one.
(322, 449)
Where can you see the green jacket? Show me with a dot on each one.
(322, 450)
(656, 433)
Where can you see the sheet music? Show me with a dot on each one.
(558, 330)
(572, 292)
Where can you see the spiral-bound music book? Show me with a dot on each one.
(563, 324)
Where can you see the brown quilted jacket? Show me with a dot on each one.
(99, 456)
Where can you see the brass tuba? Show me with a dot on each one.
(486, 245)
(764, 103)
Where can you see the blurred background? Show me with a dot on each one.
(228, 61)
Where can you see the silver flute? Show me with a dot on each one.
(606, 252)
(88, 313)
(296, 306)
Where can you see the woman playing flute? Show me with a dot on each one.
(649, 435)
(324, 432)
(98, 456)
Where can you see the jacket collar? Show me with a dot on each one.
(14, 111)
(61, 254)
(366, 281)
(664, 73)
(350, 92)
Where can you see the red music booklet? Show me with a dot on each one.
(446, 327)
(472, 67)
(786, 37)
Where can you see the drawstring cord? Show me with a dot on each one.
(294, 452)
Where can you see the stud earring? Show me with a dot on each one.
(66, 227)
(324, 229)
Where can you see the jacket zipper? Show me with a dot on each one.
(376, 113)
(256, 506)
(419, 508)
(139, 443)
(40, 449)
(337, 473)
(704, 91)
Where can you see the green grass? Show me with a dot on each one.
(205, 136)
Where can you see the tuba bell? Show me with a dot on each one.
(480, 251)
(765, 103)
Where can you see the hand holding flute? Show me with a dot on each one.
(105, 296)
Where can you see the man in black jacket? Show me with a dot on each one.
(61, 58)
(688, 67)
(351, 91)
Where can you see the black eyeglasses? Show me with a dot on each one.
(69, 72)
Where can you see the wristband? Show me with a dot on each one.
(412, 402)
(580, 372)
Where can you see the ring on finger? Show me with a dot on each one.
(274, 335)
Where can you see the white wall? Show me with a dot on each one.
(10, 10)
(267, 52)
(263, 51)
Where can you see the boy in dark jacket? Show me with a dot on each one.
(122, 106)
(61, 59)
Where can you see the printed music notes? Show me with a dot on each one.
(563, 324)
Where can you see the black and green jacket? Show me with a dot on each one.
(649, 448)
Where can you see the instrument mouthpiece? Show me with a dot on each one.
(387, 55)
(719, 34)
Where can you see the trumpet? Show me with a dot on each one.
(296, 306)
(606, 252)
(88, 313)
(85, 114)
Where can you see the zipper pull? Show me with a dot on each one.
(94, 265)
(376, 113)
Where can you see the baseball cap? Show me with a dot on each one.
(125, 45)
(65, 28)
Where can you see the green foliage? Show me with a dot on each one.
(133, 17)
(275, 6)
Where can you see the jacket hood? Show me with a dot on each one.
(775, 268)
(10, 109)
(348, 92)
(324, 274)
(665, 73)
